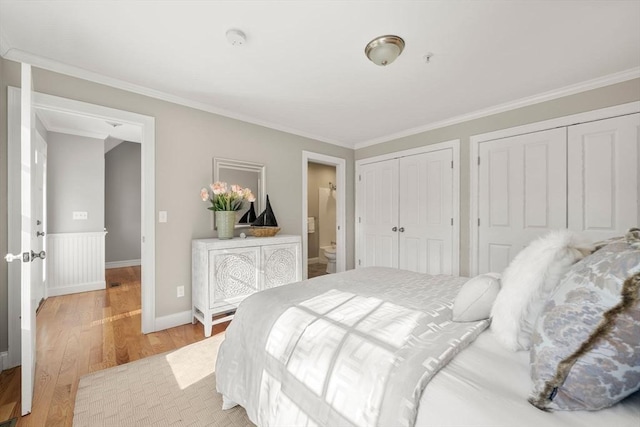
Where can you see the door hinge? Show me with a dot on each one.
(359, 262)
(451, 164)
(451, 221)
(359, 220)
(478, 222)
(478, 160)
(359, 177)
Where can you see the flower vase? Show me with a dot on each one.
(225, 223)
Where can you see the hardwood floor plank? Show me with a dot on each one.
(9, 388)
(81, 333)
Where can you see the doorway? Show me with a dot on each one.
(321, 220)
(57, 104)
(331, 193)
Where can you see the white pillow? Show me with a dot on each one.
(528, 282)
(475, 298)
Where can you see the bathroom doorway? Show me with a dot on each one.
(323, 235)
(321, 219)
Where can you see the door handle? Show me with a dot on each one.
(401, 229)
(24, 257)
(40, 233)
(394, 229)
(41, 255)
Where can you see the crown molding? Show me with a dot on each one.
(58, 67)
(599, 82)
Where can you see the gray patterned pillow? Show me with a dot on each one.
(586, 345)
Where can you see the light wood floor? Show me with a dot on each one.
(82, 333)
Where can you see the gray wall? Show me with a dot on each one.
(122, 193)
(75, 182)
(620, 93)
(319, 177)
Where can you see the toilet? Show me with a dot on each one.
(330, 254)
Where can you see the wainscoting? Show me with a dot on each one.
(75, 263)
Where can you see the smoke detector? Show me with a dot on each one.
(236, 37)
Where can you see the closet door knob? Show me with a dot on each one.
(394, 229)
(401, 229)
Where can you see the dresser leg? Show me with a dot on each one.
(208, 325)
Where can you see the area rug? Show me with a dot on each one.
(177, 388)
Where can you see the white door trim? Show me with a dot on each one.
(49, 102)
(341, 205)
(453, 145)
(476, 140)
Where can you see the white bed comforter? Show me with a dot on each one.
(349, 349)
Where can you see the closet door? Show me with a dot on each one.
(426, 213)
(378, 214)
(522, 194)
(603, 176)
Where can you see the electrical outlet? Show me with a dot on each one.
(180, 291)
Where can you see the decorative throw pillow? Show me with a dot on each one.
(527, 283)
(586, 347)
(475, 298)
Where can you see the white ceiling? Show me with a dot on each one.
(303, 68)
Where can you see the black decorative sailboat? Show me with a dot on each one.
(249, 216)
(266, 224)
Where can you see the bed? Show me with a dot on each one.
(380, 347)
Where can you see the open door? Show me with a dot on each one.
(30, 242)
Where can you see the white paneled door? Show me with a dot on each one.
(405, 213)
(378, 214)
(30, 256)
(426, 213)
(603, 176)
(522, 194)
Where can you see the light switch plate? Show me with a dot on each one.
(162, 216)
(80, 215)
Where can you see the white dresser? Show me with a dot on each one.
(224, 272)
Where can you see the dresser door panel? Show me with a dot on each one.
(233, 274)
(280, 265)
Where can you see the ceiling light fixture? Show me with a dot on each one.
(384, 50)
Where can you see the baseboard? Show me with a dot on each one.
(125, 263)
(3, 360)
(312, 261)
(173, 320)
(74, 289)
